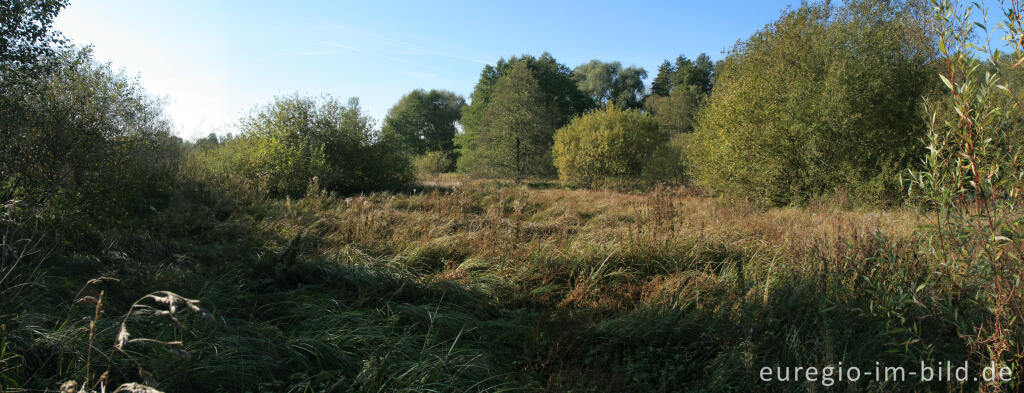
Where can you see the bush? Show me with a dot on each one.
(668, 163)
(433, 163)
(825, 97)
(294, 139)
(605, 145)
(969, 186)
(82, 138)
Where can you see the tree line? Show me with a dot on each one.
(826, 97)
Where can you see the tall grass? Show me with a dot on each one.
(484, 286)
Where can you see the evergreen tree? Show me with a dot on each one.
(700, 75)
(662, 85)
(684, 68)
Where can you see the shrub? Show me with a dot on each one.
(668, 163)
(675, 112)
(432, 163)
(605, 145)
(969, 186)
(292, 140)
(824, 97)
(84, 138)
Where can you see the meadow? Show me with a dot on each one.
(840, 194)
(482, 285)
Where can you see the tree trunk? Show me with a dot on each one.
(519, 163)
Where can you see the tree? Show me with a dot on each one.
(605, 145)
(662, 85)
(693, 75)
(425, 121)
(563, 98)
(684, 68)
(25, 31)
(700, 75)
(675, 112)
(27, 44)
(515, 133)
(605, 82)
(669, 163)
(824, 97)
(679, 91)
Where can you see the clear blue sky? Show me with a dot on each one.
(214, 61)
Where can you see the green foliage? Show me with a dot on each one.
(605, 145)
(669, 162)
(609, 82)
(483, 288)
(824, 97)
(675, 113)
(662, 84)
(515, 131)
(559, 91)
(424, 121)
(25, 33)
(84, 138)
(295, 139)
(693, 75)
(432, 163)
(970, 183)
(552, 101)
(685, 74)
(678, 92)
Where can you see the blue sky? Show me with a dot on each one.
(214, 61)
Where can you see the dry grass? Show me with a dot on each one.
(556, 243)
(475, 285)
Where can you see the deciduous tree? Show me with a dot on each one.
(515, 131)
(605, 82)
(425, 121)
(824, 97)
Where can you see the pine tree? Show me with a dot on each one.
(662, 85)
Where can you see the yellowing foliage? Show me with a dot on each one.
(605, 145)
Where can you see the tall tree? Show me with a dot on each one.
(25, 31)
(684, 67)
(605, 82)
(27, 47)
(678, 91)
(694, 74)
(662, 84)
(425, 121)
(628, 87)
(700, 74)
(564, 98)
(83, 135)
(595, 79)
(516, 130)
